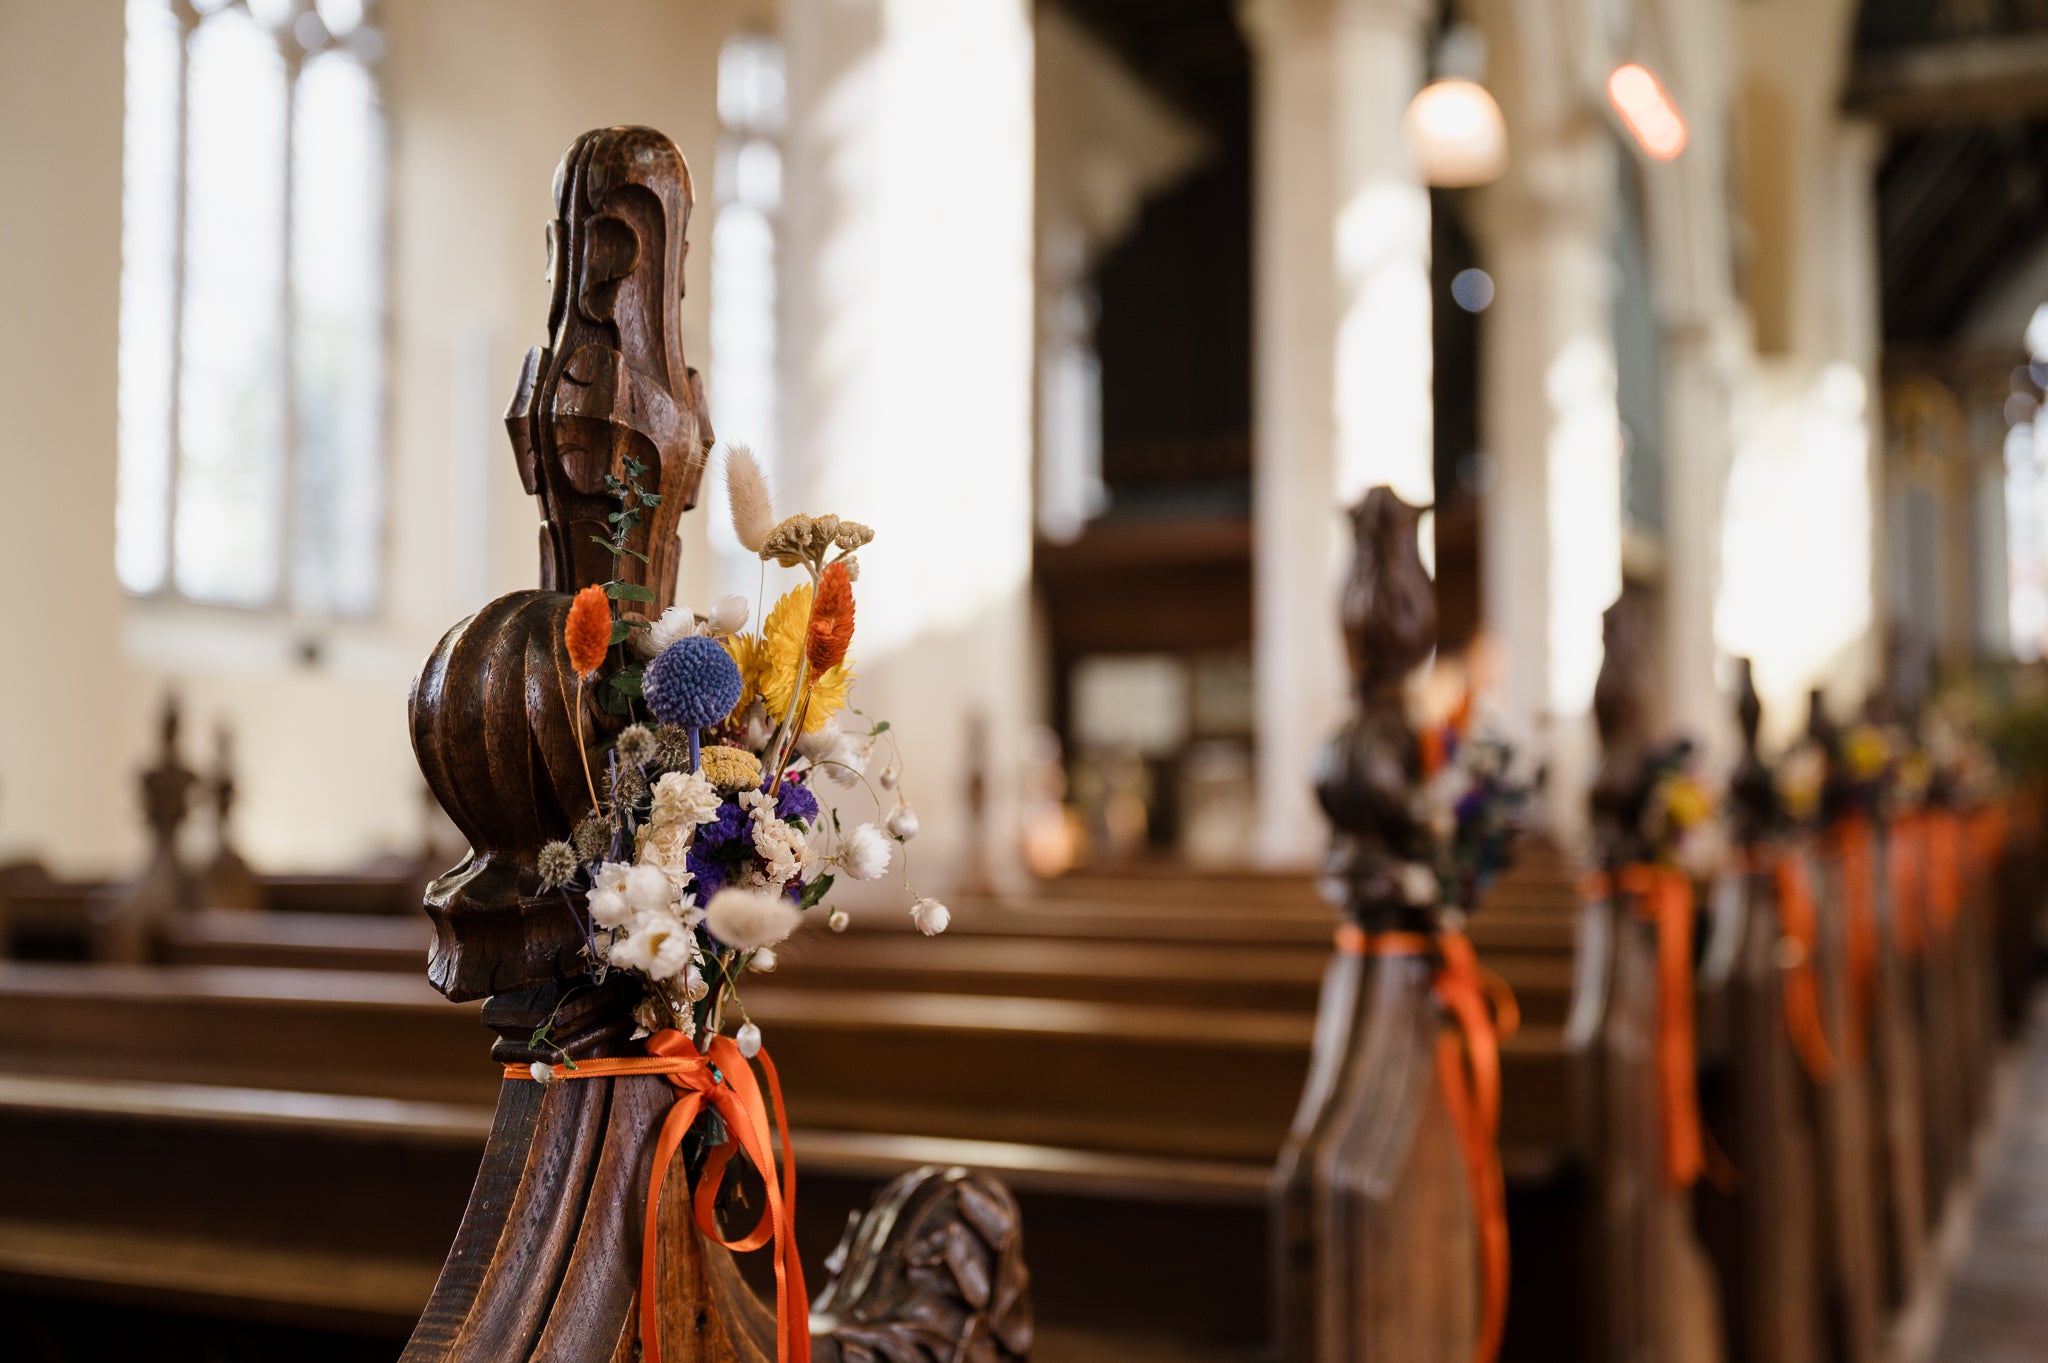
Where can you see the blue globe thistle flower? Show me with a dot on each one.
(693, 683)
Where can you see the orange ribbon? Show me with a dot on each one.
(725, 1082)
(1804, 1021)
(1910, 857)
(1944, 869)
(1984, 835)
(1663, 895)
(1854, 846)
(1468, 1070)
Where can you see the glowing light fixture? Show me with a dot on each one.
(1646, 107)
(1454, 128)
(1457, 134)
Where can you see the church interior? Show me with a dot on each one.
(1341, 681)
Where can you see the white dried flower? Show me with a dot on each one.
(648, 889)
(1418, 884)
(838, 920)
(748, 1039)
(758, 728)
(746, 490)
(784, 850)
(656, 944)
(763, 961)
(611, 876)
(888, 777)
(751, 919)
(609, 909)
(728, 615)
(684, 799)
(542, 1071)
(902, 820)
(694, 987)
(822, 743)
(930, 916)
(677, 622)
(864, 853)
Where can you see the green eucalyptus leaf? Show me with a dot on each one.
(627, 591)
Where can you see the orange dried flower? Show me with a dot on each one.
(831, 620)
(588, 631)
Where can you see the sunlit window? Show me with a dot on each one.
(748, 181)
(252, 305)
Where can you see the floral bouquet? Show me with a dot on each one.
(1473, 808)
(1682, 822)
(706, 845)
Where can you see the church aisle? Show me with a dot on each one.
(1998, 1302)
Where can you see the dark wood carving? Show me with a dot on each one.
(545, 1264)
(226, 882)
(1764, 1228)
(132, 919)
(1656, 1297)
(1373, 1222)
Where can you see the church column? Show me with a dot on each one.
(905, 373)
(1552, 556)
(1341, 331)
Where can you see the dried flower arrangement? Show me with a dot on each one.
(707, 845)
(1682, 822)
(1473, 805)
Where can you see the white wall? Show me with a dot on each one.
(482, 97)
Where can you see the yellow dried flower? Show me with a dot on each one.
(1866, 752)
(731, 769)
(748, 653)
(784, 636)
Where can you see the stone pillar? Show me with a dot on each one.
(906, 375)
(1552, 555)
(1341, 335)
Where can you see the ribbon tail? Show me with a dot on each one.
(1468, 1071)
(1803, 1020)
(673, 1128)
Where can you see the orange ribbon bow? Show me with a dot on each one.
(1804, 1021)
(1468, 1070)
(724, 1081)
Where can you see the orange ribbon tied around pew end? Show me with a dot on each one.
(1663, 895)
(1483, 1011)
(1944, 839)
(1854, 846)
(1912, 856)
(1804, 1021)
(721, 1080)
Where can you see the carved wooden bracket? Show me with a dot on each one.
(1367, 775)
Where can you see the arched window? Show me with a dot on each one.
(748, 184)
(252, 305)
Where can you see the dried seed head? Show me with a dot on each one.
(592, 838)
(557, 864)
(637, 745)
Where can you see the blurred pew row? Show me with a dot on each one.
(269, 1115)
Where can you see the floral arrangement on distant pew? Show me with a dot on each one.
(1474, 808)
(1682, 822)
(707, 846)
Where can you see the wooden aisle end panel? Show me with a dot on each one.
(545, 1263)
